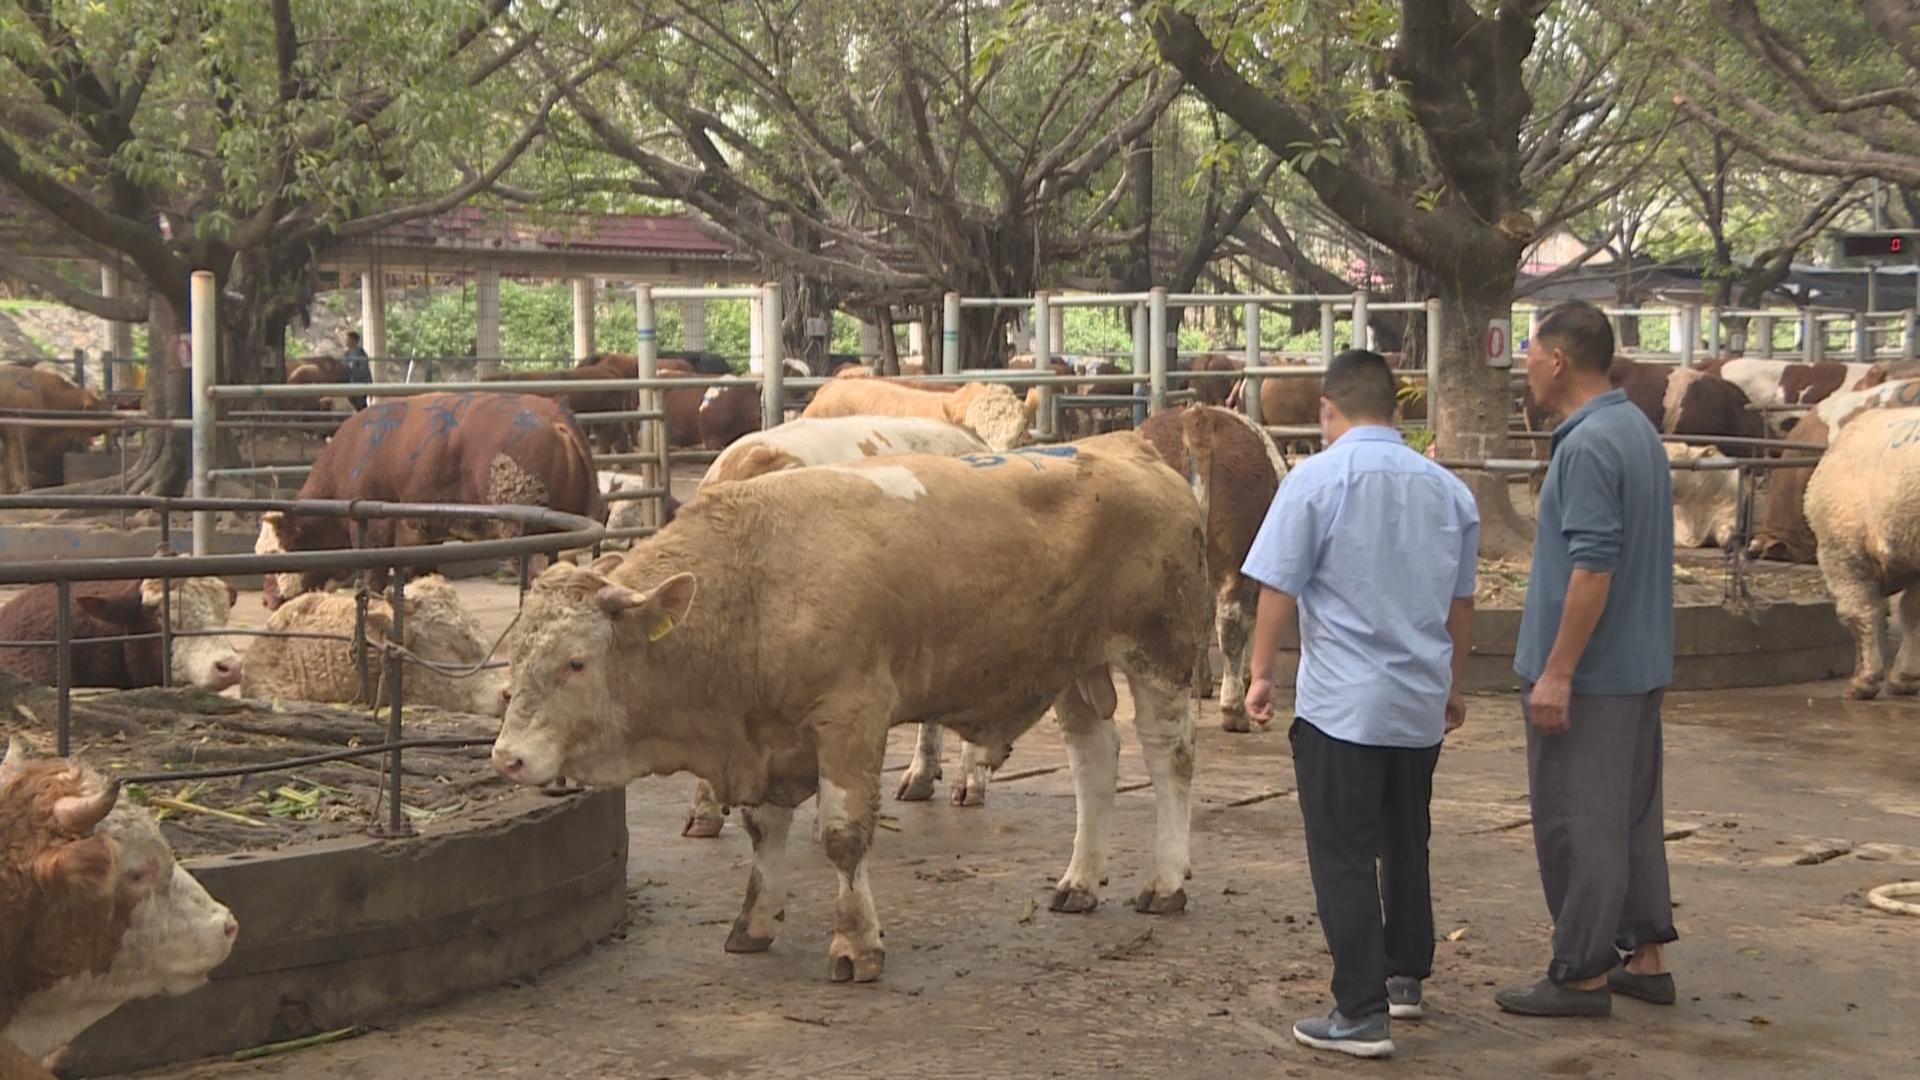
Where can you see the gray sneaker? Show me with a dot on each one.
(1365, 1039)
(1403, 997)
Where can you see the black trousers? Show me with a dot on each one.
(1362, 804)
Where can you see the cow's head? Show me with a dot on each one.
(280, 531)
(439, 627)
(199, 604)
(563, 717)
(106, 867)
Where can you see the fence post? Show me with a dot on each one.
(1907, 341)
(647, 348)
(949, 336)
(205, 333)
(1157, 348)
(1360, 321)
(1762, 334)
(1689, 333)
(1142, 331)
(1811, 345)
(1326, 332)
(1714, 344)
(1862, 339)
(397, 823)
(1436, 339)
(773, 405)
(1250, 389)
(1042, 362)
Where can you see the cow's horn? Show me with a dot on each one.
(80, 813)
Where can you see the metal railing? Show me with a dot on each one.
(557, 532)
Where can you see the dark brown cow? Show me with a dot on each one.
(1214, 389)
(103, 609)
(1810, 384)
(610, 438)
(1688, 401)
(313, 370)
(1234, 470)
(482, 449)
(726, 414)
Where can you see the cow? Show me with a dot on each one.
(1706, 502)
(35, 456)
(989, 410)
(94, 911)
(1233, 469)
(483, 449)
(1783, 533)
(701, 651)
(627, 513)
(115, 609)
(1863, 503)
(608, 437)
(312, 371)
(1687, 401)
(438, 628)
(1888, 371)
(1215, 376)
(831, 441)
(1786, 382)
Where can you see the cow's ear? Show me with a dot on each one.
(607, 563)
(233, 594)
(659, 609)
(84, 867)
(120, 609)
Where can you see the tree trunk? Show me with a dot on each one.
(166, 452)
(1470, 405)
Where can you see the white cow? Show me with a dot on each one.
(1705, 501)
(1863, 503)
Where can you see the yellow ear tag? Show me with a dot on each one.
(661, 629)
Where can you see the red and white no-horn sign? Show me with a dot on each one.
(1499, 351)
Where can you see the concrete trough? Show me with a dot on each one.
(355, 931)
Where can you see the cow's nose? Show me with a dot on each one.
(232, 928)
(226, 668)
(509, 767)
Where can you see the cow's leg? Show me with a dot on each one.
(1863, 611)
(1203, 683)
(706, 817)
(1163, 719)
(849, 806)
(976, 767)
(766, 898)
(1906, 664)
(1093, 752)
(1233, 620)
(917, 784)
(13, 462)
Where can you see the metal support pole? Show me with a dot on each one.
(583, 303)
(1157, 349)
(773, 406)
(949, 337)
(205, 335)
(63, 666)
(1043, 360)
(1360, 321)
(1250, 393)
(397, 824)
(1760, 338)
(647, 348)
(1908, 342)
(1689, 333)
(486, 321)
(1142, 333)
(1810, 333)
(1862, 339)
(1714, 344)
(1326, 332)
(1436, 340)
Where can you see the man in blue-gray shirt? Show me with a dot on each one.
(1374, 547)
(1595, 653)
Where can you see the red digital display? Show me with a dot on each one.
(1894, 246)
(1872, 245)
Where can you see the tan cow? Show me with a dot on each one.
(1783, 532)
(769, 638)
(801, 443)
(989, 410)
(1863, 503)
(34, 456)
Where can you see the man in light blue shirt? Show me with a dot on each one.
(1374, 546)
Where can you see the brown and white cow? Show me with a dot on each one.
(1233, 469)
(1863, 503)
(831, 441)
(116, 608)
(1783, 532)
(471, 448)
(94, 911)
(1688, 401)
(1786, 382)
(702, 651)
(34, 456)
(989, 410)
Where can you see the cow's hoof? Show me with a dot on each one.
(856, 967)
(916, 786)
(1075, 901)
(742, 941)
(1204, 690)
(1153, 903)
(1235, 722)
(703, 826)
(1903, 687)
(1863, 691)
(967, 795)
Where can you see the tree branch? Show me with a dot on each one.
(118, 308)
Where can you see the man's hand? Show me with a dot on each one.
(1260, 701)
(1547, 704)
(1456, 711)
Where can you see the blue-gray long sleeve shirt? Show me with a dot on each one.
(1606, 506)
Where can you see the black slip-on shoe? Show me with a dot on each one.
(1652, 989)
(1549, 998)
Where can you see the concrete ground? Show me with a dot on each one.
(1785, 807)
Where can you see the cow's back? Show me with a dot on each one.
(826, 441)
(32, 615)
(1864, 497)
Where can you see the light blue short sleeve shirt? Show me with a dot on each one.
(1375, 542)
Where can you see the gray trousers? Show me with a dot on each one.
(1598, 829)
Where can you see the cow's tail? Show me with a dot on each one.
(1196, 434)
(585, 476)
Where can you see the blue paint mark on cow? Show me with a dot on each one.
(1026, 454)
(379, 422)
(1906, 394)
(443, 416)
(523, 422)
(1905, 433)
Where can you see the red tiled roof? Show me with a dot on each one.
(475, 226)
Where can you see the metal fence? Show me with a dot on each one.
(544, 532)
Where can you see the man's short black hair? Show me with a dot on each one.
(353, 335)
(1582, 331)
(1360, 383)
